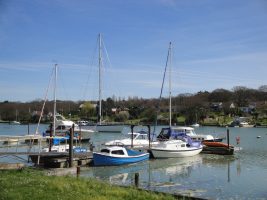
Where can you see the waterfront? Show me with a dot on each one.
(242, 176)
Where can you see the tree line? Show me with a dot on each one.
(192, 107)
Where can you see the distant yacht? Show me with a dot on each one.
(103, 126)
(195, 125)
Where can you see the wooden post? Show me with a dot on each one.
(78, 170)
(50, 139)
(71, 146)
(228, 138)
(136, 179)
(80, 135)
(149, 136)
(132, 126)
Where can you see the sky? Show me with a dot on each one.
(215, 44)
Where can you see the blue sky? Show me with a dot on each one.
(216, 44)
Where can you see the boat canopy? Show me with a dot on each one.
(176, 134)
(169, 133)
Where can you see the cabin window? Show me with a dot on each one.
(164, 134)
(182, 145)
(118, 152)
(143, 137)
(61, 128)
(105, 151)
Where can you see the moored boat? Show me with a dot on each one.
(217, 148)
(117, 155)
(176, 149)
(63, 126)
(109, 127)
(189, 131)
(140, 139)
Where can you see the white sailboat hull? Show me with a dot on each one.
(175, 149)
(109, 128)
(168, 153)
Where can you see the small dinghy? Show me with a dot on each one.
(117, 155)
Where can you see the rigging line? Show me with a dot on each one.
(162, 85)
(105, 49)
(90, 72)
(111, 77)
(49, 84)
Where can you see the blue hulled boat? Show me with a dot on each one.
(116, 155)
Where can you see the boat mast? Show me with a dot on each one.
(170, 92)
(55, 101)
(99, 79)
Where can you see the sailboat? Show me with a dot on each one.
(172, 144)
(15, 122)
(104, 126)
(61, 126)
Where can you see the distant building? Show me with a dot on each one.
(232, 106)
(248, 109)
(216, 106)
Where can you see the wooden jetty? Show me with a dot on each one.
(60, 160)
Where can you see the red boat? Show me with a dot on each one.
(217, 148)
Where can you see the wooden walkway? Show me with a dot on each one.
(60, 160)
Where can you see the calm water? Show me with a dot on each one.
(242, 176)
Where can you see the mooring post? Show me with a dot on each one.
(50, 139)
(80, 135)
(136, 179)
(71, 146)
(132, 126)
(149, 136)
(78, 170)
(228, 143)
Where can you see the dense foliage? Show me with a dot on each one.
(189, 107)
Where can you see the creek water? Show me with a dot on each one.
(240, 176)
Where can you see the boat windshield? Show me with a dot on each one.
(60, 117)
(117, 152)
(105, 151)
(164, 134)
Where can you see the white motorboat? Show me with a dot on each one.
(189, 131)
(195, 125)
(15, 123)
(176, 149)
(245, 125)
(63, 125)
(140, 139)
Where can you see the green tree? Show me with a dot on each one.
(87, 110)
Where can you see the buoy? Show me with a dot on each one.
(258, 136)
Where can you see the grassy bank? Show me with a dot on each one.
(33, 184)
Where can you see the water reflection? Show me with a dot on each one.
(190, 176)
(152, 173)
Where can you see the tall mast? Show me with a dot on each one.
(55, 101)
(170, 83)
(99, 79)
